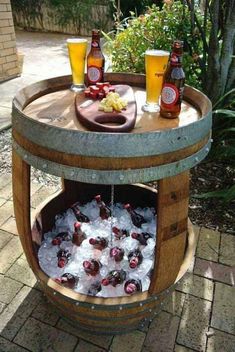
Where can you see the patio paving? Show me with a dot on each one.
(199, 315)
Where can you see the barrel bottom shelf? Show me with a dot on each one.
(97, 314)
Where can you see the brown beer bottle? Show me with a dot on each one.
(95, 60)
(173, 83)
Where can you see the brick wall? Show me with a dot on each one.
(8, 57)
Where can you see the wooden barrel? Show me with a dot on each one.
(48, 136)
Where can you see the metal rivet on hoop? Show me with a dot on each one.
(156, 298)
(93, 176)
(54, 293)
(212, 140)
(141, 304)
(196, 159)
(92, 307)
(25, 156)
(77, 303)
(72, 173)
(120, 308)
(150, 310)
(44, 166)
(207, 150)
(121, 177)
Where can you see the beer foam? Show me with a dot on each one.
(76, 40)
(156, 52)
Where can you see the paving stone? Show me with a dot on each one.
(197, 286)
(9, 289)
(7, 346)
(100, 340)
(84, 346)
(6, 211)
(215, 271)
(220, 342)
(46, 313)
(2, 306)
(6, 192)
(194, 323)
(16, 313)
(208, 244)
(131, 342)
(223, 314)
(227, 249)
(162, 333)
(2, 201)
(10, 253)
(174, 303)
(21, 271)
(4, 180)
(10, 226)
(4, 238)
(39, 337)
(179, 348)
(35, 187)
(41, 195)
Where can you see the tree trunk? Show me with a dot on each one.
(220, 74)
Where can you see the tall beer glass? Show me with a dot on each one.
(155, 66)
(77, 48)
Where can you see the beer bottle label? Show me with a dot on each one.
(94, 74)
(169, 95)
(176, 60)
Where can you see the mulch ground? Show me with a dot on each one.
(206, 177)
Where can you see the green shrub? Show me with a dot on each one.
(156, 29)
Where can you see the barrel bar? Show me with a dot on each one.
(107, 144)
(113, 176)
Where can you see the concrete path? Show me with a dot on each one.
(45, 56)
(199, 316)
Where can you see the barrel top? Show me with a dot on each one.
(58, 109)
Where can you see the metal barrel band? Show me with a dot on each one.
(115, 176)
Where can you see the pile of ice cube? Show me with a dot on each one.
(121, 219)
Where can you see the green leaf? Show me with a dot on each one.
(225, 194)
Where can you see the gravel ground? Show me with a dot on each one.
(206, 177)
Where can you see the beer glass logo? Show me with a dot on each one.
(170, 94)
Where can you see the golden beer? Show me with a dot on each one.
(77, 48)
(155, 66)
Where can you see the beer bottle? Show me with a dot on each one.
(95, 60)
(173, 83)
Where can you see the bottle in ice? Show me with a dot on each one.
(114, 278)
(63, 256)
(62, 236)
(78, 236)
(105, 212)
(173, 83)
(67, 280)
(91, 267)
(117, 253)
(135, 258)
(142, 237)
(94, 288)
(120, 233)
(99, 242)
(136, 218)
(79, 215)
(132, 286)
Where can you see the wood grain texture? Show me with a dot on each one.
(172, 210)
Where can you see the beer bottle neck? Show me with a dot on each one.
(176, 59)
(95, 42)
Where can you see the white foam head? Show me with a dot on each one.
(156, 52)
(76, 40)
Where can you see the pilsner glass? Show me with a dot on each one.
(155, 66)
(77, 48)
